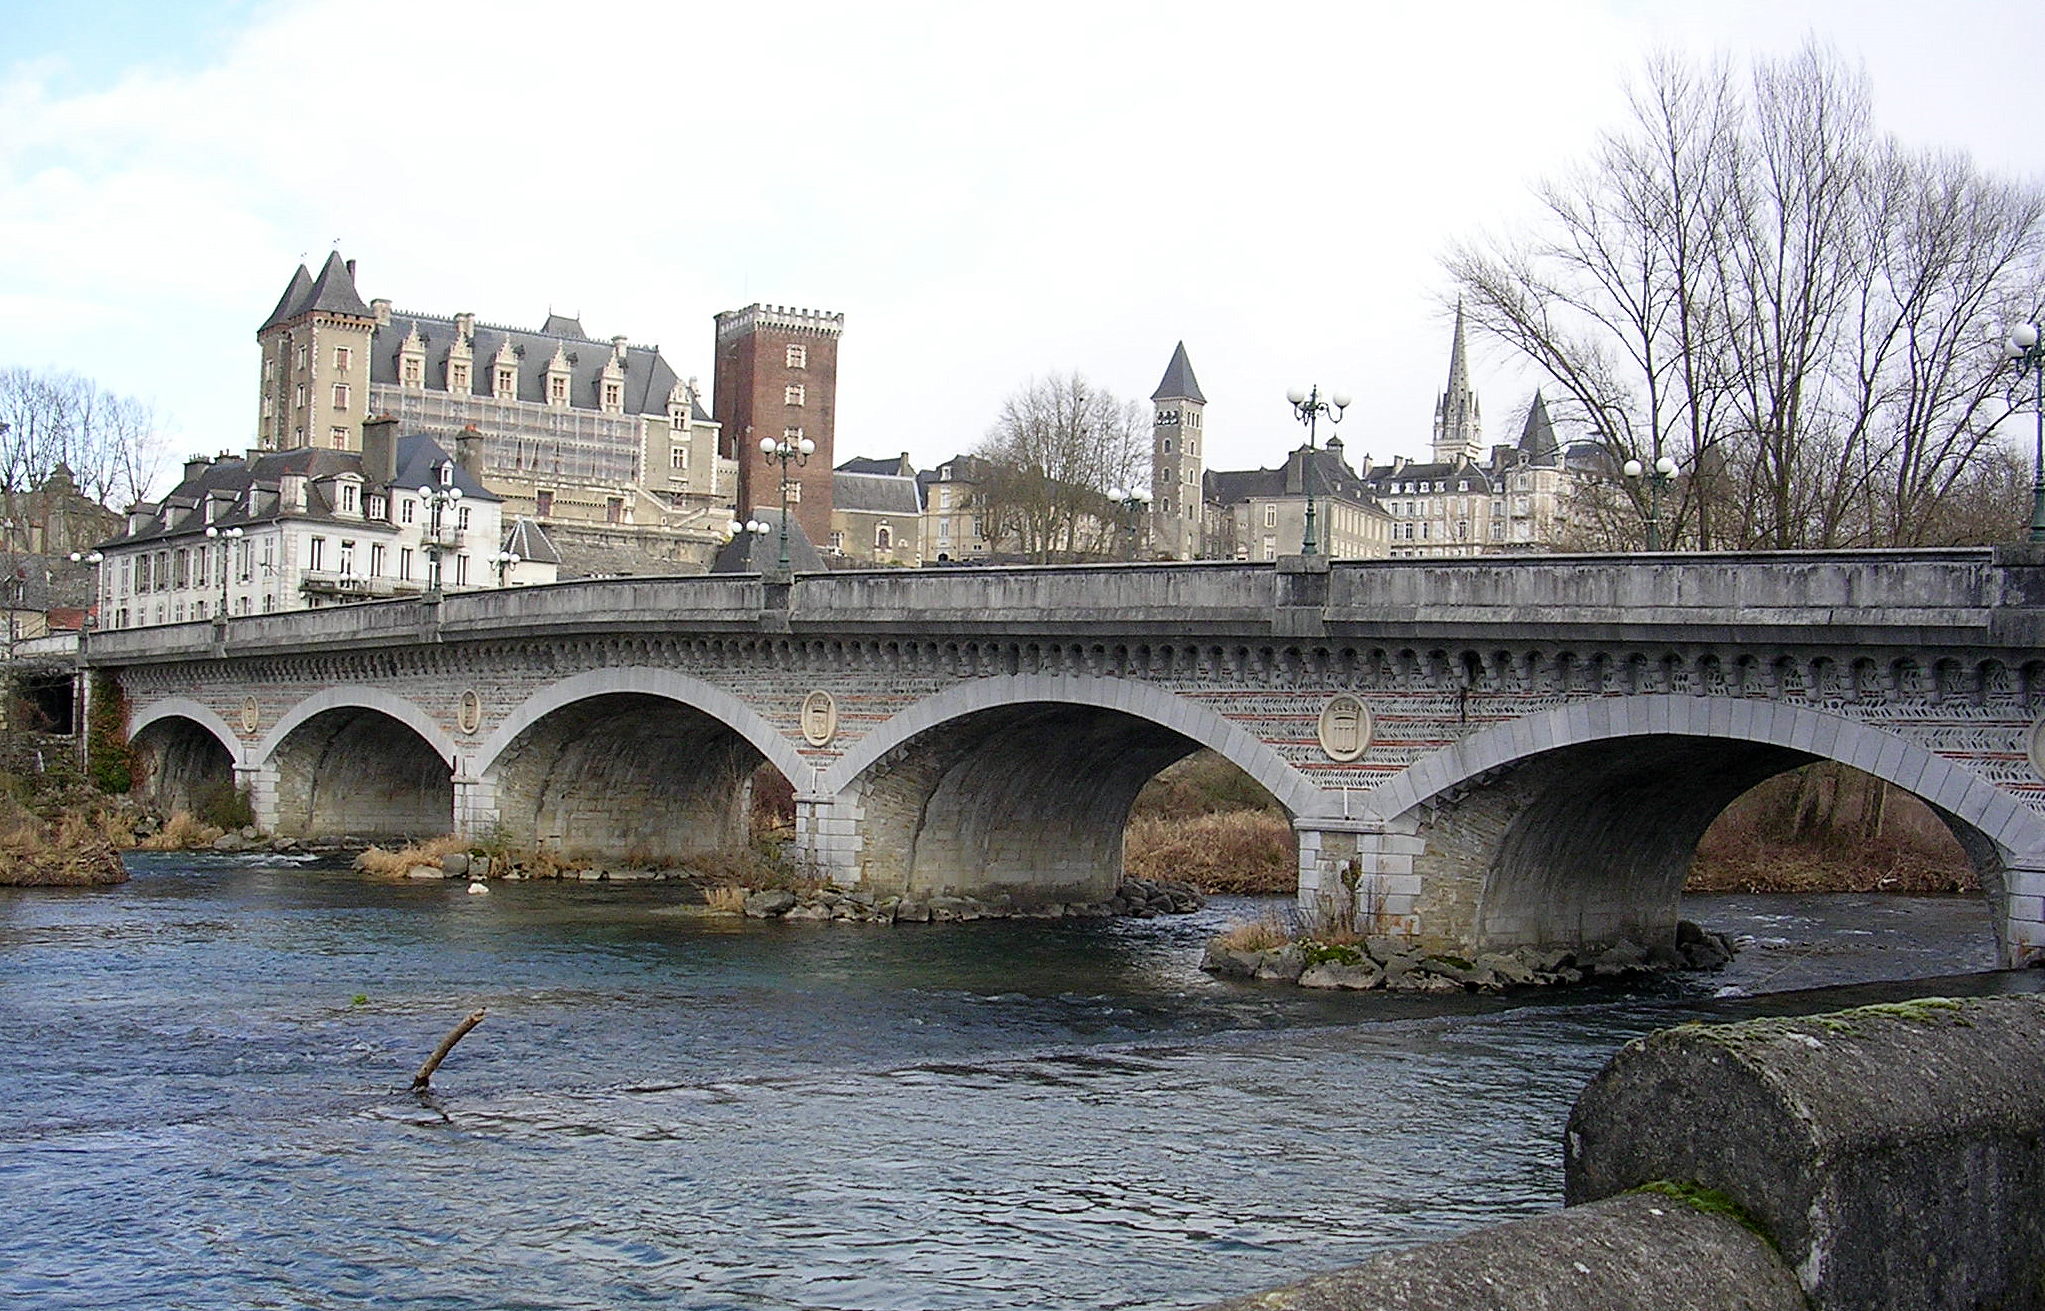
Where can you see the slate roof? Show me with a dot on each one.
(1383, 478)
(245, 490)
(333, 292)
(528, 541)
(897, 465)
(875, 493)
(1324, 472)
(749, 553)
(648, 376)
(1537, 439)
(1179, 384)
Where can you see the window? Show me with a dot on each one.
(407, 510)
(614, 510)
(347, 559)
(791, 435)
(678, 459)
(1168, 446)
(343, 357)
(298, 395)
(884, 538)
(461, 570)
(1463, 485)
(405, 562)
(349, 494)
(544, 503)
(337, 437)
(944, 531)
(301, 355)
(458, 375)
(557, 389)
(838, 542)
(376, 559)
(507, 382)
(316, 553)
(374, 506)
(461, 519)
(412, 370)
(614, 396)
(340, 395)
(793, 491)
(1270, 516)
(798, 356)
(793, 393)
(447, 473)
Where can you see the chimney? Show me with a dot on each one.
(380, 450)
(351, 270)
(381, 308)
(291, 491)
(468, 452)
(196, 465)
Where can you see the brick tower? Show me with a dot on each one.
(777, 376)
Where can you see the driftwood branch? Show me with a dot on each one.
(424, 1078)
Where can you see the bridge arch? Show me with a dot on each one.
(183, 750)
(356, 762)
(1018, 785)
(1578, 824)
(640, 763)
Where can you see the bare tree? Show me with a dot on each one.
(1751, 279)
(1060, 442)
(109, 442)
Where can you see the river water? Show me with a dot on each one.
(203, 1096)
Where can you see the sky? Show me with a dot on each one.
(987, 193)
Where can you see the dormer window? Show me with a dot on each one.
(557, 388)
(507, 383)
(614, 396)
(458, 376)
(447, 473)
(412, 372)
(349, 499)
(373, 506)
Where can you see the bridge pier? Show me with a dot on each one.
(259, 783)
(2023, 938)
(475, 804)
(1365, 864)
(827, 837)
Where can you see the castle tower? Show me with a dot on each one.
(777, 376)
(315, 344)
(1458, 428)
(1176, 436)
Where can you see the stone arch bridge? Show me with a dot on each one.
(1484, 752)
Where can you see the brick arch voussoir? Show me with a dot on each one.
(664, 683)
(1190, 719)
(396, 707)
(1872, 750)
(178, 707)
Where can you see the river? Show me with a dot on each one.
(205, 1105)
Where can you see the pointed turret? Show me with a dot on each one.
(1179, 383)
(334, 291)
(292, 303)
(1537, 439)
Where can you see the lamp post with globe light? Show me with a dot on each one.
(437, 501)
(506, 562)
(1308, 407)
(1664, 469)
(2026, 352)
(95, 559)
(796, 452)
(226, 537)
(1133, 500)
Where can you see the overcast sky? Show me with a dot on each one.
(986, 192)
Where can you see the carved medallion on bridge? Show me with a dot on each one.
(469, 713)
(251, 716)
(2038, 747)
(1345, 728)
(819, 718)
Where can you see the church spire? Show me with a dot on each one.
(1458, 424)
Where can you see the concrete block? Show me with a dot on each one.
(1639, 1253)
(1895, 1154)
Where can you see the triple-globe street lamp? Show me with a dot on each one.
(505, 562)
(437, 500)
(2026, 352)
(1308, 407)
(1134, 501)
(787, 452)
(226, 537)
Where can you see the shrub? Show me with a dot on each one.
(224, 806)
(393, 864)
(1257, 935)
(728, 898)
(1245, 851)
(183, 831)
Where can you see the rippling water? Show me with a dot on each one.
(205, 1070)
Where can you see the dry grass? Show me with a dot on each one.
(1245, 851)
(71, 853)
(183, 831)
(1257, 935)
(728, 898)
(393, 864)
(1828, 828)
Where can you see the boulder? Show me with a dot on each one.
(809, 911)
(455, 863)
(769, 903)
(1334, 974)
(1284, 963)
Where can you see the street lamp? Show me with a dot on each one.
(1664, 469)
(437, 500)
(795, 452)
(506, 561)
(95, 559)
(2026, 351)
(1308, 407)
(1133, 500)
(226, 537)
